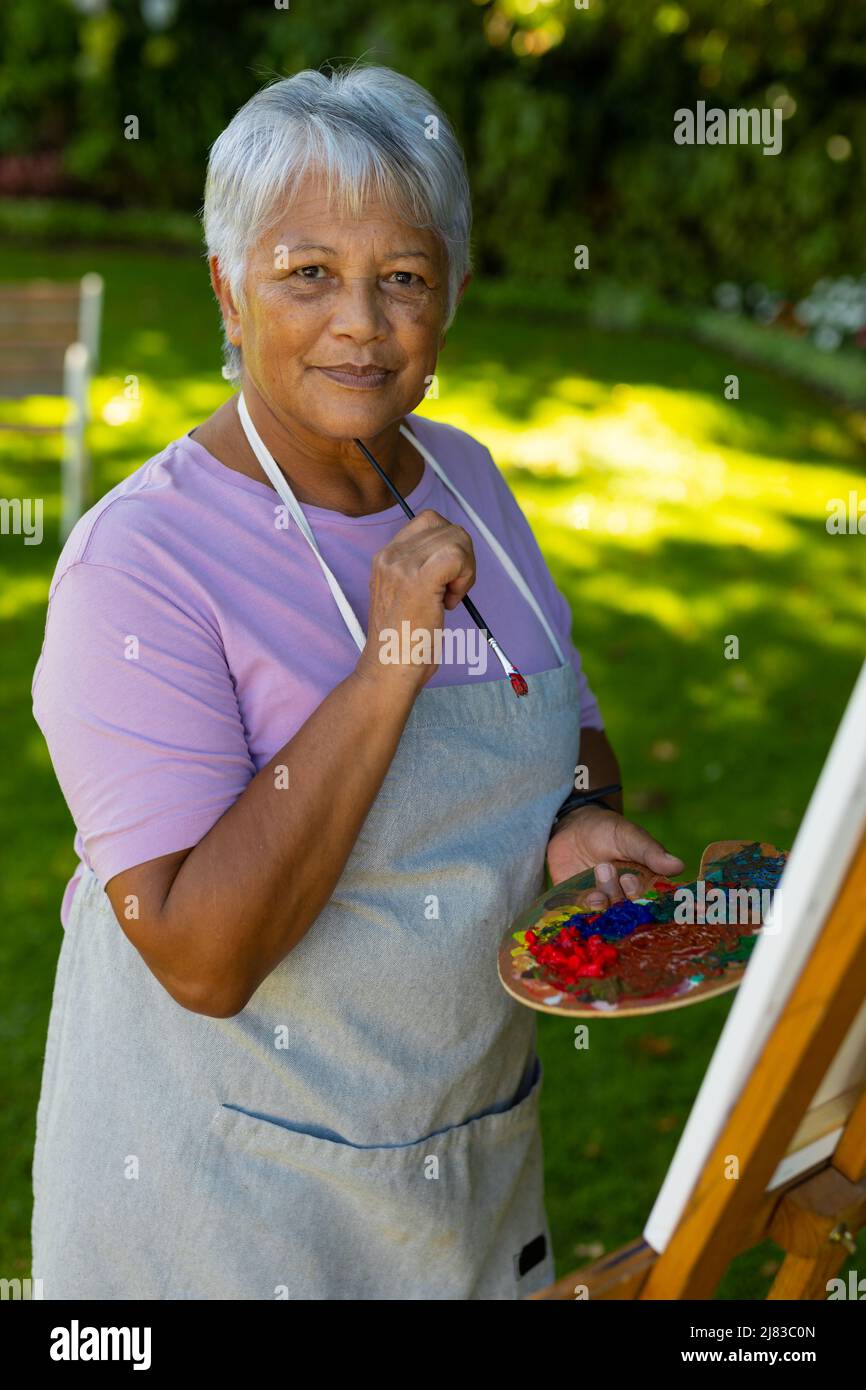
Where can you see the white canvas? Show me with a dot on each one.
(819, 859)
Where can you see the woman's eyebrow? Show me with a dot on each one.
(313, 246)
(330, 251)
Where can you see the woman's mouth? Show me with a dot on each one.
(358, 377)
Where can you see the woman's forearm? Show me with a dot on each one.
(600, 761)
(253, 885)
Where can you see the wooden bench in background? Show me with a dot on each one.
(49, 346)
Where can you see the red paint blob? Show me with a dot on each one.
(570, 958)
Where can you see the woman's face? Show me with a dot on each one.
(327, 297)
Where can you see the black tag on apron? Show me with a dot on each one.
(530, 1256)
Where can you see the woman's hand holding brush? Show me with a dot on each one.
(518, 681)
(427, 568)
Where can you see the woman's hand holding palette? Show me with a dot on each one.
(671, 944)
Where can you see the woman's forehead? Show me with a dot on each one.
(310, 220)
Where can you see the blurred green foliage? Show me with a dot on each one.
(566, 115)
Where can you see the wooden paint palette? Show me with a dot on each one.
(637, 957)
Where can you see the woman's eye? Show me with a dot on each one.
(403, 279)
(407, 279)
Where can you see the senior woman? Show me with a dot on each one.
(279, 1062)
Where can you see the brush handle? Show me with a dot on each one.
(476, 617)
(385, 479)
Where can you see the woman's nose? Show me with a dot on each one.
(359, 311)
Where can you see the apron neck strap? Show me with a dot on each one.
(266, 459)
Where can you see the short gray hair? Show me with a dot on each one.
(366, 130)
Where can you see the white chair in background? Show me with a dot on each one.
(49, 346)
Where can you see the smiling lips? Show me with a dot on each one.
(358, 376)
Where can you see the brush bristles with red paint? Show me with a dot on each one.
(518, 682)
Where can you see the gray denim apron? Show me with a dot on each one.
(367, 1127)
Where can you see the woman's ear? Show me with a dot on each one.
(463, 283)
(226, 300)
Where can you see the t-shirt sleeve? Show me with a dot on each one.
(138, 709)
(553, 602)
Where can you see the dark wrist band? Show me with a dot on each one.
(578, 799)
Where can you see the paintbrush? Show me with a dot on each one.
(518, 682)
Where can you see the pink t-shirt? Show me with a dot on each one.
(191, 632)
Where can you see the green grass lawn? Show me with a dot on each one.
(671, 517)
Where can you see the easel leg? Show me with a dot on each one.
(806, 1276)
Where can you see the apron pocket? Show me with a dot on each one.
(275, 1213)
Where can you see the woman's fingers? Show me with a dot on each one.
(611, 889)
(608, 882)
(438, 551)
(639, 845)
(426, 569)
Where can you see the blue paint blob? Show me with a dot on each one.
(617, 921)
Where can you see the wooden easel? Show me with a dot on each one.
(813, 1217)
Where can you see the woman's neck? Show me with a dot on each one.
(329, 473)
